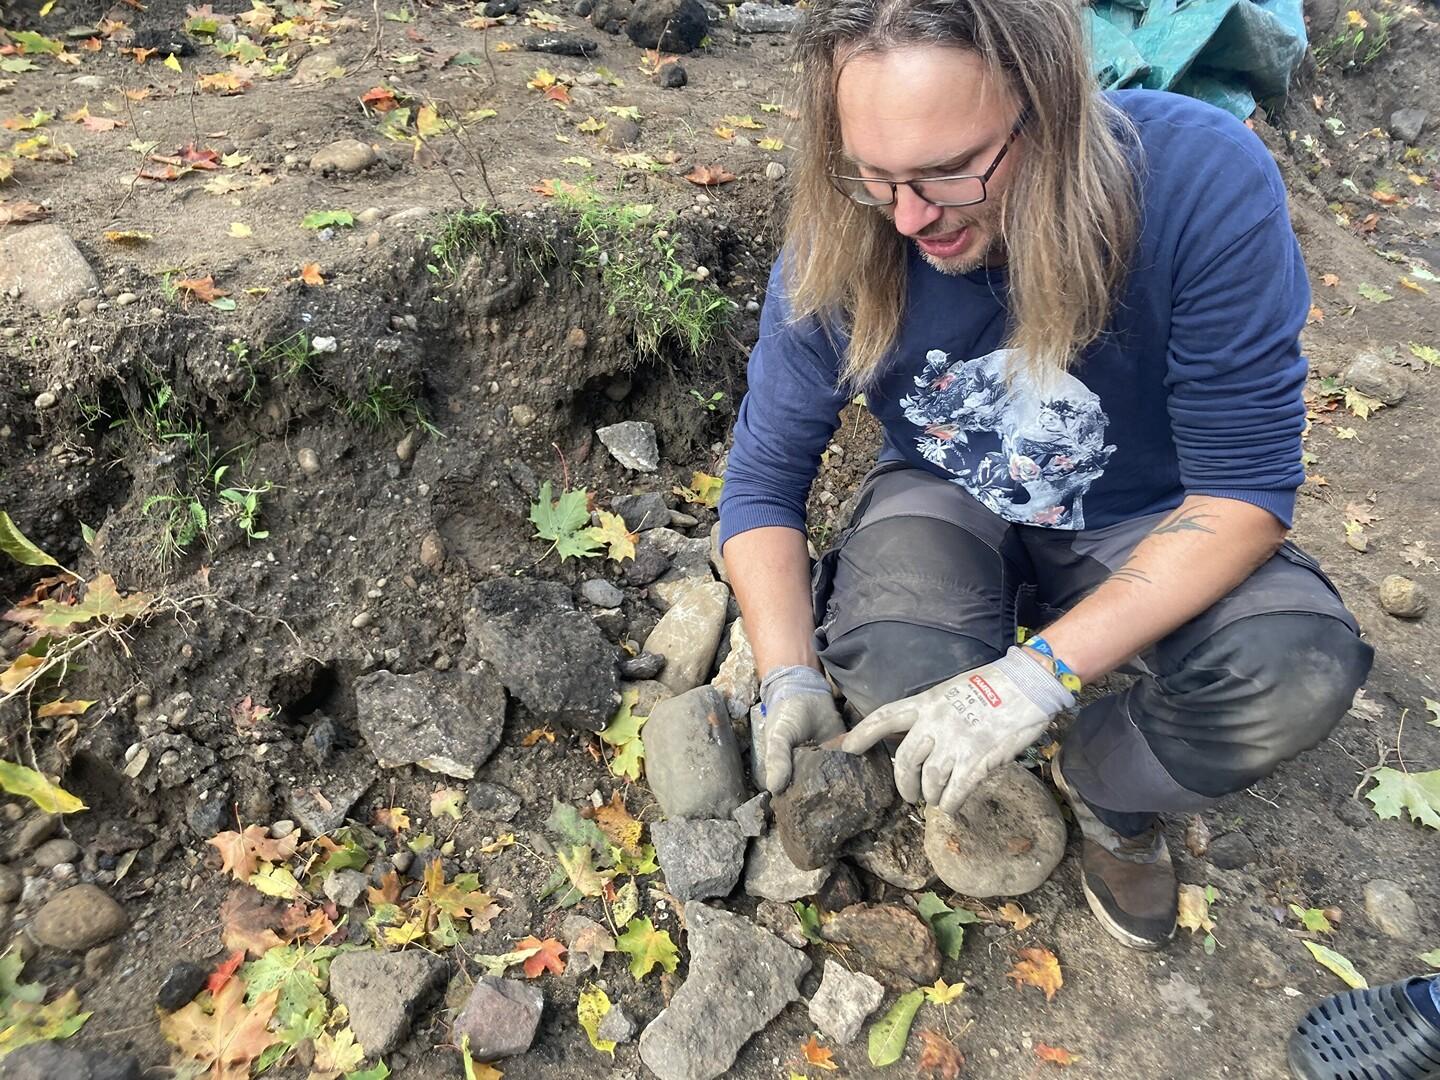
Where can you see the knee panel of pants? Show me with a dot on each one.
(1255, 693)
(882, 662)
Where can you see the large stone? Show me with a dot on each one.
(844, 1002)
(46, 266)
(689, 634)
(738, 678)
(1391, 909)
(54, 1061)
(447, 722)
(643, 511)
(1408, 124)
(344, 156)
(77, 919)
(1375, 376)
(771, 875)
(700, 859)
(1403, 597)
(548, 654)
(674, 26)
(753, 18)
(500, 1018)
(887, 939)
(384, 993)
(740, 979)
(691, 758)
(831, 798)
(894, 851)
(632, 444)
(1005, 840)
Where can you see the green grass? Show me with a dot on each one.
(1358, 46)
(388, 408)
(461, 234)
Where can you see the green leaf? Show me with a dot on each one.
(809, 921)
(627, 903)
(891, 1032)
(623, 733)
(1362, 405)
(322, 219)
(1375, 294)
(378, 1071)
(565, 522)
(1432, 958)
(947, 923)
(276, 881)
(647, 947)
(31, 42)
(1428, 353)
(15, 544)
(594, 1003)
(12, 965)
(1312, 919)
(565, 822)
(1433, 708)
(496, 965)
(1417, 794)
(349, 856)
(26, 782)
(1333, 961)
(297, 972)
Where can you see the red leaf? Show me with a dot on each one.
(222, 973)
(709, 175)
(547, 959)
(939, 1059)
(1056, 1054)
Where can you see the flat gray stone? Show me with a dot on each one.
(740, 979)
(738, 678)
(1407, 125)
(692, 761)
(500, 1017)
(1005, 840)
(700, 859)
(771, 875)
(547, 653)
(446, 722)
(493, 801)
(385, 993)
(321, 810)
(632, 444)
(344, 156)
(1391, 909)
(54, 1061)
(601, 593)
(47, 267)
(753, 18)
(751, 815)
(344, 887)
(831, 798)
(844, 1002)
(688, 635)
(1375, 376)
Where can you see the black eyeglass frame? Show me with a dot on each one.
(894, 185)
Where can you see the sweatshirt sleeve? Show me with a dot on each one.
(786, 419)
(1235, 374)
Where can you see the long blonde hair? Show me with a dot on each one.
(1068, 216)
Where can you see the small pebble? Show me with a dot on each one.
(46, 400)
(522, 416)
(125, 299)
(309, 461)
(774, 171)
(361, 621)
(282, 828)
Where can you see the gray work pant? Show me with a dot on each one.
(926, 582)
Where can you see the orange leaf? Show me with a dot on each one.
(241, 853)
(248, 922)
(1368, 223)
(547, 959)
(534, 735)
(310, 274)
(389, 890)
(1317, 315)
(1038, 968)
(819, 1056)
(939, 1059)
(394, 818)
(709, 175)
(1388, 198)
(224, 971)
(1056, 1054)
(380, 98)
(1330, 280)
(616, 822)
(1015, 915)
(228, 1036)
(203, 289)
(558, 93)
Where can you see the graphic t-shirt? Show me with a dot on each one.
(1195, 388)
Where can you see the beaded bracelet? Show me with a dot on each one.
(1067, 677)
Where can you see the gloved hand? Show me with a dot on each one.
(959, 730)
(798, 709)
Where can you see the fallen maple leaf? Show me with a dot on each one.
(21, 212)
(1015, 915)
(228, 1036)
(380, 98)
(394, 818)
(939, 1058)
(201, 288)
(613, 533)
(310, 274)
(224, 971)
(822, 1057)
(709, 175)
(248, 923)
(546, 959)
(616, 822)
(389, 890)
(535, 735)
(1038, 968)
(241, 853)
(1057, 1055)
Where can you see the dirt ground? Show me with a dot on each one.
(472, 359)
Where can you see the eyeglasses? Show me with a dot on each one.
(966, 190)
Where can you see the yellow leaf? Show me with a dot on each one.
(1194, 909)
(240, 230)
(446, 803)
(500, 843)
(747, 122)
(942, 993)
(276, 881)
(1354, 18)
(62, 707)
(1405, 282)
(227, 1036)
(619, 827)
(1333, 961)
(429, 123)
(704, 490)
(1038, 968)
(542, 80)
(394, 818)
(48, 796)
(594, 1003)
(771, 144)
(127, 236)
(581, 162)
(619, 540)
(590, 125)
(725, 132)
(172, 63)
(1015, 915)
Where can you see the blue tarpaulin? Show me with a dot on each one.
(1231, 53)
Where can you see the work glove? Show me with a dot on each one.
(956, 732)
(798, 710)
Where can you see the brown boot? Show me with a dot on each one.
(1129, 881)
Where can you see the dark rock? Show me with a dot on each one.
(583, 8)
(619, 134)
(675, 26)
(649, 563)
(164, 42)
(117, 836)
(691, 758)
(78, 919)
(323, 810)
(53, 1061)
(1231, 851)
(888, 940)
(672, 77)
(841, 891)
(548, 654)
(385, 993)
(642, 512)
(492, 801)
(740, 979)
(645, 666)
(496, 8)
(560, 44)
(500, 1018)
(319, 742)
(832, 797)
(610, 15)
(181, 983)
(209, 810)
(894, 851)
(447, 722)
(700, 859)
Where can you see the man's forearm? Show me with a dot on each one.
(1189, 561)
(769, 569)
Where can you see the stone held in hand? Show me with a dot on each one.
(889, 940)
(1005, 840)
(844, 1002)
(632, 444)
(384, 993)
(500, 1017)
(740, 978)
(691, 758)
(448, 723)
(831, 798)
(699, 858)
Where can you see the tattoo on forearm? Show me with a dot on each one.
(1129, 573)
(1184, 522)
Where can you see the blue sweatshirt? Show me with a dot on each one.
(1195, 389)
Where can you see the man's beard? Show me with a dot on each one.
(987, 227)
